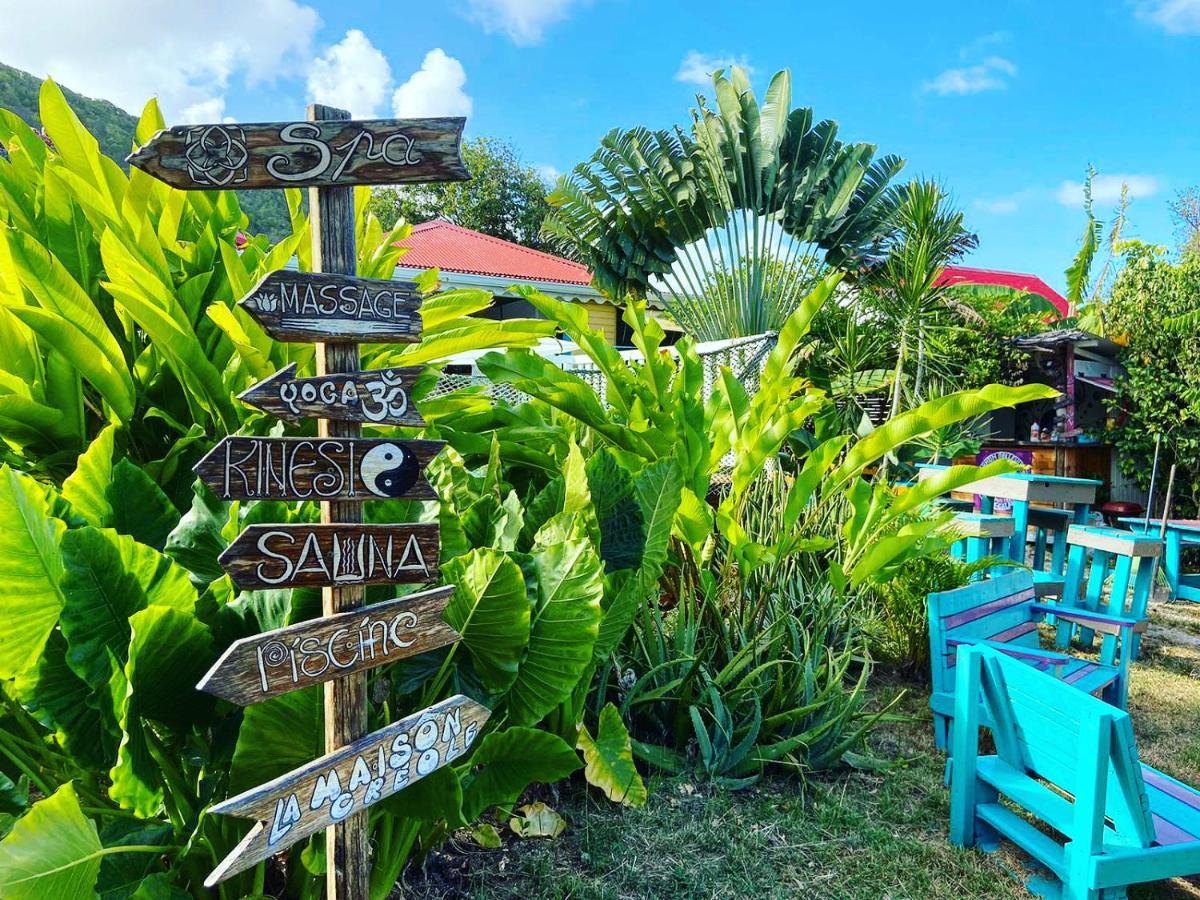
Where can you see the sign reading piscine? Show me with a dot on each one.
(380, 397)
(269, 468)
(335, 309)
(348, 780)
(305, 154)
(275, 662)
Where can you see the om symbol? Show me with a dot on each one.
(216, 155)
(388, 396)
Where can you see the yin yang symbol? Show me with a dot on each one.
(389, 470)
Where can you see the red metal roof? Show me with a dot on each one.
(1015, 280)
(453, 248)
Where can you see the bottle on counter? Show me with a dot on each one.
(1034, 432)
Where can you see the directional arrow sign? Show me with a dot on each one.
(305, 154)
(335, 309)
(327, 555)
(270, 468)
(380, 397)
(275, 662)
(348, 780)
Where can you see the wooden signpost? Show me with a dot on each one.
(275, 662)
(334, 309)
(380, 398)
(321, 468)
(278, 556)
(330, 154)
(348, 780)
(322, 153)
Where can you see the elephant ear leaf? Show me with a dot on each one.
(277, 736)
(563, 628)
(609, 760)
(52, 851)
(622, 526)
(490, 609)
(30, 571)
(509, 761)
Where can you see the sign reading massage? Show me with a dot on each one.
(221, 157)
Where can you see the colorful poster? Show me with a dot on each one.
(992, 454)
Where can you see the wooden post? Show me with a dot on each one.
(347, 851)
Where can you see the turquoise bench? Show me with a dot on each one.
(1004, 612)
(1070, 761)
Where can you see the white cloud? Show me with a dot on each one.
(436, 89)
(352, 75)
(697, 68)
(1106, 189)
(185, 53)
(999, 206)
(522, 21)
(548, 173)
(1173, 16)
(990, 75)
(210, 110)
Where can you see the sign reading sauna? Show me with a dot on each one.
(275, 556)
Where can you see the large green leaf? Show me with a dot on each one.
(278, 735)
(169, 650)
(563, 628)
(81, 717)
(609, 759)
(491, 610)
(30, 570)
(107, 578)
(87, 487)
(508, 761)
(197, 540)
(53, 851)
(622, 527)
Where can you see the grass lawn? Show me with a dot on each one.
(845, 834)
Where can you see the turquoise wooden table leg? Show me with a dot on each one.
(1081, 512)
(1039, 550)
(1171, 560)
(1058, 559)
(1020, 517)
(986, 505)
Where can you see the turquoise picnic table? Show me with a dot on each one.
(1180, 533)
(1024, 489)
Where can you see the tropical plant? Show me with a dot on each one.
(721, 628)
(122, 350)
(1154, 310)
(926, 235)
(1085, 294)
(725, 221)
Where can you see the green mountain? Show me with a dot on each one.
(114, 129)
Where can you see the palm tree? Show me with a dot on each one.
(726, 222)
(926, 235)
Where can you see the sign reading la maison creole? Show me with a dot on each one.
(380, 397)
(296, 468)
(305, 154)
(348, 780)
(265, 665)
(317, 306)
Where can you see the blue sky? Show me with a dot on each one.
(1006, 103)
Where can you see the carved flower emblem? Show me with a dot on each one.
(217, 155)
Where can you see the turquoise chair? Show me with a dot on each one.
(1071, 762)
(1004, 612)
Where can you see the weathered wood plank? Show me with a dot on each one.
(321, 468)
(286, 659)
(328, 555)
(348, 780)
(331, 308)
(1110, 540)
(305, 154)
(380, 397)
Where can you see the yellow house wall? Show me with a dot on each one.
(602, 317)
